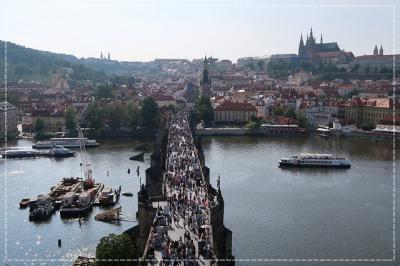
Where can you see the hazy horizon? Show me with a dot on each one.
(147, 30)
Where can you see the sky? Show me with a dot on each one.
(133, 30)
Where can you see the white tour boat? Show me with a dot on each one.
(315, 160)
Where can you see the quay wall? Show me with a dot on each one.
(247, 132)
(224, 132)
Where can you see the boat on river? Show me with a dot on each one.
(109, 197)
(41, 209)
(24, 203)
(315, 160)
(65, 142)
(81, 201)
(57, 151)
(138, 157)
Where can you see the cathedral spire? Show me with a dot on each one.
(311, 34)
(381, 50)
(376, 50)
(321, 41)
(301, 46)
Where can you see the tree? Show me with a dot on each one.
(194, 119)
(302, 120)
(306, 66)
(93, 116)
(204, 110)
(11, 97)
(70, 119)
(132, 115)
(289, 112)
(260, 64)
(278, 111)
(367, 69)
(149, 113)
(116, 247)
(385, 70)
(254, 123)
(355, 68)
(103, 91)
(39, 125)
(172, 108)
(250, 66)
(115, 114)
(367, 126)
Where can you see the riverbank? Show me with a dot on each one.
(290, 131)
(264, 130)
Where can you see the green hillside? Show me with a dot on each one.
(26, 64)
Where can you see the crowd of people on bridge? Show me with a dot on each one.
(182, 230)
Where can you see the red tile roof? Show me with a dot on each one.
(236, 106)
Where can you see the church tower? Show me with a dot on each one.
(301, 46)
(376, 50)
(312, 39)
(381, 50)
(321, 41)
(205, 82)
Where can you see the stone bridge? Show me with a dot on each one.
(180, 215)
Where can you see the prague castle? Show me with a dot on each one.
(319, 53)
(322, 52)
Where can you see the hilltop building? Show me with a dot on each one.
(376, 61)
(325, 53)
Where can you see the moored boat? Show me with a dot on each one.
(41, 209)
(65, 142)
(16, 152)
(138, 157)
(75, 204)
(109, 196)
(24, 203)
(315, 160)
(60, 152)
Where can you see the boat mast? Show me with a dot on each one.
(85, 162)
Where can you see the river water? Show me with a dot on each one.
(274, 213)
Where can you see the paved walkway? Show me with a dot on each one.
(181, 230)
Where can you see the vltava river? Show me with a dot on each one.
(274, 213)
